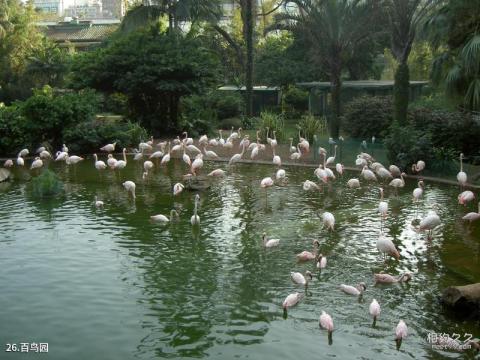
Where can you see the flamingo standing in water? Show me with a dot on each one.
(339, 168)
(36, 164)
(269, 243)
(466, 197)
(398, 183)
(321, 262)
(326, 323)
(462, 176)
(291, 300)
(307, 255)
(300, 279)
(217, 173)
(99, 164)
(130, 187)
(195, 219)
(418, 192)
(109, 147)
(429, 223)
(401, 332)
(472, 216)
(237, 157)
(328, 220)
(419, 166)
(382, 208)
(98, 203)
(8, 163)
(390, 279)
(265, 184)
(166, 158)
(276, 159)
(163, 219)
(353, 183)
(354, 290)
(374, 310)
(177, 189)
(387, 247)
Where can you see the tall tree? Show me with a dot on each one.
(456, 25)
(404, 17)
(335, 28)
(176, 11)
(248, 10)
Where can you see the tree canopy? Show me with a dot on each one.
(153, 68)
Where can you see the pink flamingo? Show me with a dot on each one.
(465, 197)
(291, 300)
(401, 332)
(473, 216)
(307, 255)
(265, 184)
(326, 323)
(390, 279)
(321, 262)
(374, 310)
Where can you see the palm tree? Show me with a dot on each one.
(458, 64)
(404, 17)
(176, 10)
(5, 24)
(335, 28)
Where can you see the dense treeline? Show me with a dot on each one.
(162, 67)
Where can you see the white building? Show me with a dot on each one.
(49, 6)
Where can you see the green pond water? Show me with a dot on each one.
(109, 284)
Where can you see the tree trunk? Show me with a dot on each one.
(248, 33)
(401, 93)
(335, 121)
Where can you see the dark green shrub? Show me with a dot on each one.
(449, 129)
(406, 145)
(88, 136)
(116, 103)
(197, 127)
(296, 98)
(13, 136)
(227, 104)
(47, 184)
(368, 116)
(229, 122)
(47, 114)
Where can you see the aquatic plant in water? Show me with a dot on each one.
(47, 184)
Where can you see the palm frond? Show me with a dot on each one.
(472, 97)
(141, 16)
(453, 78)
(470, 54)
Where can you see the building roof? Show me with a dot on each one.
(358, 84)
(242, 88)
(81, 32)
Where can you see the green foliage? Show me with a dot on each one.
(116, 103)
(197, 127)
(27, 58)
(406, 145)
(153, 69)
(47, 184)
(228, 123)
(419, 62)
(12, 126)
(309, 126)
(226, 105)
(368, 116)
(453, 29)
(295, 101)
(86, 136)
(282, 60)
(272, 122)
(454, 130)
(48, 114)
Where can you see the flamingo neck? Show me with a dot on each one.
(461, 163)
(124, 156)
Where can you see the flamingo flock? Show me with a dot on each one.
(193, 157)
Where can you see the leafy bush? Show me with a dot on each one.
(227, 124)
(197, 127)
(87, 136)
(406, 145)
(274, 122)
(226, 104)
(309, 125)
(368, 116)
(296, 98)
(116, 103)
(12, 130)
(46, 184)
(449, 129)
(47, 114)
